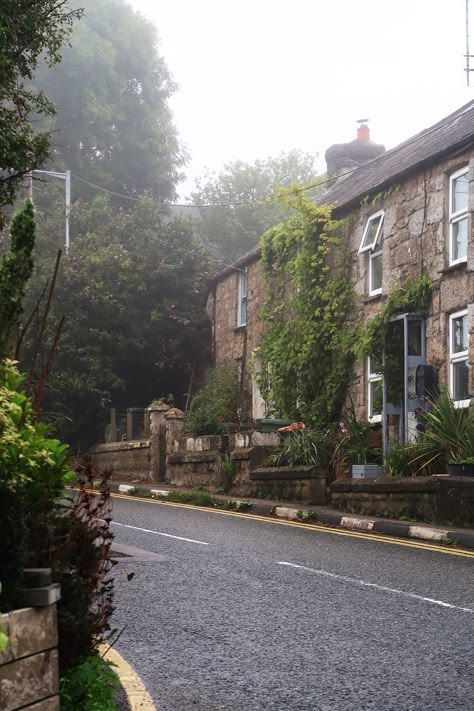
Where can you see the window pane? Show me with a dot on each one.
(376, 272)
(459, 237)
(460, 381)
(460, 193)
(459, 334)
(376, 398)
(371, 232)
(243, 312)
(414, 338)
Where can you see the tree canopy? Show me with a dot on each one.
(29, 29)
(132, 289)
(233, 231)
(113, 125)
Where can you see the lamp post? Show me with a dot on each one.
(67, 178)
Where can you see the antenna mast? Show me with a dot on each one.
(468, 56)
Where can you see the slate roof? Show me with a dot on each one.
(454, 132)
(248, 257)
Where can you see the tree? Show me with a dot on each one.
(233, 231)
(133, 290)
(28, 29)
(113, 126)
(16, 267)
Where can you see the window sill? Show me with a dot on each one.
(238, 329)
(453, 267)
(461, 404)
(374, 297)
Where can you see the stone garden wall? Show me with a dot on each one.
(29, 664)
(436, 499)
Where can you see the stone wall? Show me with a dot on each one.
(416, 234)
(416, 239)
(445, 500)
(234, 344)
(193, 461)
(305, 484)
(129, 461)
(29, 664)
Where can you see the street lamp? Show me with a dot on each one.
(67, 178)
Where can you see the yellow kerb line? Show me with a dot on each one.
(382, 538)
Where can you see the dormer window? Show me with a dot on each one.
(458, 207)
(372, 243)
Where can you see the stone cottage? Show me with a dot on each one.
(410, 211)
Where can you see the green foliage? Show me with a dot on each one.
(311, 447)
(89, 686)
(228, 472)
(12, 550)
(113, 124)
(16, 267)
(382, 339)
(356, 439)
(448, 430)
(28, 30)
(132, 289)
(30, 462)
(198, 498)
(402, 460)
(306, 359)
(140, 492)
(215, 405)
(231, 232)
(3, 636)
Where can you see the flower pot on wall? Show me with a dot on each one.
(460, 469)
(366, 471)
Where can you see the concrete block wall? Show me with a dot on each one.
(29, 664)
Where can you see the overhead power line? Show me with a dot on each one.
(302, 188)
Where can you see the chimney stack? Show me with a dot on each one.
(343, 158)
(363, 132)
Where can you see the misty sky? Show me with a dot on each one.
(257, 77)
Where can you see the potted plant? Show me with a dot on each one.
(447, 432)
(356, 443)
(461, 467)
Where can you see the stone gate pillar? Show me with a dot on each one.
(174, 427)
(157, 411)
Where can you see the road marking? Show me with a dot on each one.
(379, 537)
(364, 583)
(137, 696)
(159, 533)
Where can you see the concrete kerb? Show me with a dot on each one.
(332, 517)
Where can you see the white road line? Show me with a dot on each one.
(358, 581)
(158, 533)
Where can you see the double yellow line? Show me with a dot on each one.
(379, 537)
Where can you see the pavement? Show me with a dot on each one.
(327, 516)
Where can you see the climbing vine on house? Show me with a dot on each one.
(309, 354)
(382, 339)
(309, 342)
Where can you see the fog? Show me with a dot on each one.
(256, 78)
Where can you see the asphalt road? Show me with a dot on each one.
(253, 615)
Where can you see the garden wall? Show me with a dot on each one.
(29, 664)
(437, 499)
(129, 461)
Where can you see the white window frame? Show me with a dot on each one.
(371, 245)
(372, 378)
(374, 292)
(458, 357)
(242, 299)
(458, 216)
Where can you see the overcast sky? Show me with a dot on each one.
(257, 77)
